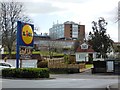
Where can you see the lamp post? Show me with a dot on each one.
(102, 53)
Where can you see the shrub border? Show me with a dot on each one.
(25, 73)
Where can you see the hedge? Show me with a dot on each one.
(25, 73)
(34, 56)
(43, 64)
(63, 70)
(13, 56)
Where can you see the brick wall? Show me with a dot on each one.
(81, 32)
(67, 31)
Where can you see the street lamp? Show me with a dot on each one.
(102, 51)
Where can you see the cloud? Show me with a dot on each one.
(41, 8)
(45, 12)
(69, 1)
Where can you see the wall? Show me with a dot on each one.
(25, 63)
(78, 57)
(86, 54)
(67, 31)
(81, 32)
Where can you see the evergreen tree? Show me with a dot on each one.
(99, 39)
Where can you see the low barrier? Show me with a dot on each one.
(60, 63)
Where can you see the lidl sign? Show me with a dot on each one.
(25, 34)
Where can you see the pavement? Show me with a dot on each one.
(116, 85)
(85, 75)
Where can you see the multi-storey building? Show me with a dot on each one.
(68, 30)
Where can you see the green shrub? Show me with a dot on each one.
(58, 55)
(26, 73)
(66, 59)
(72, 59)
(42, 64)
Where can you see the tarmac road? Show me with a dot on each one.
(58, 83)
(81, 80)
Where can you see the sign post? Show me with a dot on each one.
(24, 38)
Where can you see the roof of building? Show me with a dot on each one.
(85, 50)
(42, 37)
(116, 42)
(69, 22)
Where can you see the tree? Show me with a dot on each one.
(51, 48)
(54, 46)
(99, 40)
(76, 44)
(10, 13)
(117, 50)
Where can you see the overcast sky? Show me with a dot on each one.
(45, 12)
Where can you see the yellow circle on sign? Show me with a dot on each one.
(27, 34)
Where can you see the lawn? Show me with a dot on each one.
(89, 66)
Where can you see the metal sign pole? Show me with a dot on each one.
(17, 45)
(17, 56)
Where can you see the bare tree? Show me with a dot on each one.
(10, 13)
(76, 44)
(51, 48)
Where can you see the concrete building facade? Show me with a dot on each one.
(44, 43)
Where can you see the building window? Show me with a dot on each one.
(71, 26)
(82, 56)
(84, 46)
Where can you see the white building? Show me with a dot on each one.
(1, 50)
(85, 53)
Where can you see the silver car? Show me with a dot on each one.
(5, 65)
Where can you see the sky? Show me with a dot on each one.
(46, 12)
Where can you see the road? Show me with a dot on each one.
(81, 80)
(58, 83)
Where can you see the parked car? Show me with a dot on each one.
(5, 65)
